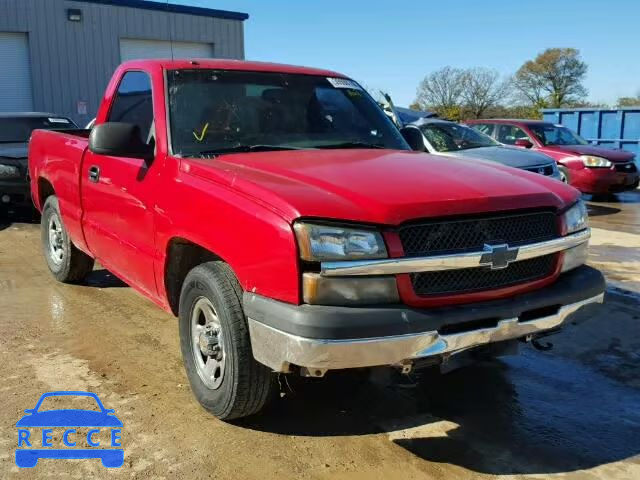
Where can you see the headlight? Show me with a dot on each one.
(576, 218)
(595, 162)
(330, 243)
(9, 171)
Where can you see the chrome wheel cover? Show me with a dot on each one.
(56, 239)
(207, 343)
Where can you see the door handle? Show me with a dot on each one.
(94, 174)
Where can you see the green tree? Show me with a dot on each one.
(629, 101)
(553, 79)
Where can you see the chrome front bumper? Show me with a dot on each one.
(278, 350)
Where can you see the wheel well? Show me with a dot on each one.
(45, 190)
(182, 256)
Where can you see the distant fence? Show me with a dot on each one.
(615, 128)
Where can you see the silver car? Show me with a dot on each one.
(442, 137)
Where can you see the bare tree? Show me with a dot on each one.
(483, 89)
(441, 91)
(554, 78)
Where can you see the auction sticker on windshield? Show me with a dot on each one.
(344, 83)
(56, 428)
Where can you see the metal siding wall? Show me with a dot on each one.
(609, 127)
(588, 125)
(631, 126)
(570, 120)
(73, 62)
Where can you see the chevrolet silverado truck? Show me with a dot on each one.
(293, 229)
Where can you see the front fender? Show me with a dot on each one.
(257, 243)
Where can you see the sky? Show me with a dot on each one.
(392, 45)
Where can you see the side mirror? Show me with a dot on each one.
(414, 138)
(29, 410)
(523, 142)
(119, 140)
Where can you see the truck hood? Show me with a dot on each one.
(13, 150)
(510, 156)
(378, 186)
(615, 155)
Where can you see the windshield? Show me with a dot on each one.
(449, 137)
(18, 129)
(213, 111)
(556, 135)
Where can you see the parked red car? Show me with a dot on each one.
(589, 168)
(283, 217)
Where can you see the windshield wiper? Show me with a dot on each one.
(243, 149)
(352, 145)
(474, 145)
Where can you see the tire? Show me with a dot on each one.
(564, 175)
(231, 384)
(65, 261)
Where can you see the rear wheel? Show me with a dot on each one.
(216, 348)
(65, 261)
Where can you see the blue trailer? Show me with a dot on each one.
(615, 128)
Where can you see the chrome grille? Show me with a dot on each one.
(542, 169)
(471, 234)
(467, 280)
(629, 167)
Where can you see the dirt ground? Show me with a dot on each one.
(572, 412)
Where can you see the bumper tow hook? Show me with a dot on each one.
(543, 346)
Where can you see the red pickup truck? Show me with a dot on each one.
(289, 225)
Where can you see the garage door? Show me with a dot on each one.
(15, 73)
(132, 49)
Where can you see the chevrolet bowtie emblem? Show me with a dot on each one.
(498, 256)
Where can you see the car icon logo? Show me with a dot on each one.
(32, 447)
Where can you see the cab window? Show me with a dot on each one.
(486, 128)
(133, 103)
(510, 133)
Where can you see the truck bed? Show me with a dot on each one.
(55, 157)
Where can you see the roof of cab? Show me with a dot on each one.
(227, 64)
(30, 115)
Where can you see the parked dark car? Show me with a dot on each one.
(15, 131)
(451, 139)
(589, 168)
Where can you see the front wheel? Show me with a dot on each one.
(216, 348)
(65, 261)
